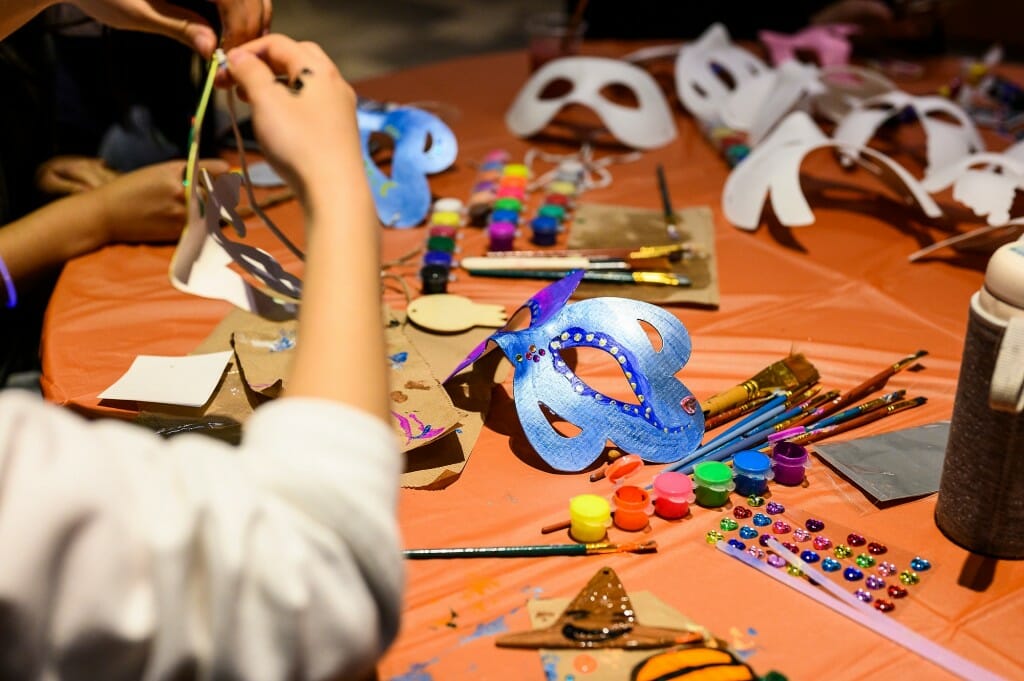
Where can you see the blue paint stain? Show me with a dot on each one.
(496, 626)
(550, 663)
(398, 359)
(285, 342)
(416, 672)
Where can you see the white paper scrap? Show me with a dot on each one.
(187, 381)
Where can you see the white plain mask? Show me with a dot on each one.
(946, 142)
(702, 90)
(647, 126)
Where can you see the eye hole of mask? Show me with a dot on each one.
(382, 147)
(602, 372)
(620, 94)
(559, 423)
(657, 342)
(806, 55)
(945, 117)
(885, 107)
(723, 74)
(556, 89)
(428, 142)
(520, 320)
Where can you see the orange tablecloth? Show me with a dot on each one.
(840, 291)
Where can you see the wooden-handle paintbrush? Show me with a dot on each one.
(867, 387)
(786, 374)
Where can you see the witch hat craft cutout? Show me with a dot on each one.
(601, 616)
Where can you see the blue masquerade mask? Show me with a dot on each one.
(403, 199)
(661, 422)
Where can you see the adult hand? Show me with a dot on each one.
(62, 175)
(148, 205)
(242, 19)
(303, 111)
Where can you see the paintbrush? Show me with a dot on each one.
(864, 389)
(530, 551)
(666, 204)
(786, 374)
(864, 419)
(605, 277)
(637, 253)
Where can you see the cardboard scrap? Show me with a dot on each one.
(608, 226)
(258, 368)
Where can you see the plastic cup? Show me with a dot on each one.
(751, 472)
(712, 483)
(789, 462)
(632, 507)
(673, 494)
(589, 517)
(550, 36)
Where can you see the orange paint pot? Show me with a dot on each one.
(632, 508)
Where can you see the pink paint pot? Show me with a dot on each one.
(673, 494)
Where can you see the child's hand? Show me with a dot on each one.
(62, 175)
(303, 113)
(148, 205)
(243, 20)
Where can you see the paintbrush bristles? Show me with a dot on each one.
(786, 374)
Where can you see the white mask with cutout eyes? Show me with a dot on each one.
(710, 69)
(647, 126)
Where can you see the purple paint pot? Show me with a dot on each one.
(502, 236)
(789, 462)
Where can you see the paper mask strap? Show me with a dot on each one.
(218, 61)
(253, 203)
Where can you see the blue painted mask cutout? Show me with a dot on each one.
(403, 199)
(664, 422)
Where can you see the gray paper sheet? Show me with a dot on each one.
(892, 467)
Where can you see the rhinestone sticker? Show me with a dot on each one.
(909, 578)
(865, 560)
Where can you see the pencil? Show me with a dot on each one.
(531, 551)
(866, 388)
(836, 429)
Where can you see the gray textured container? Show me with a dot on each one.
(981, 493)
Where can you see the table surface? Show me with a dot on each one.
(840, 291)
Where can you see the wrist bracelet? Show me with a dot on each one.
(12, 294)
